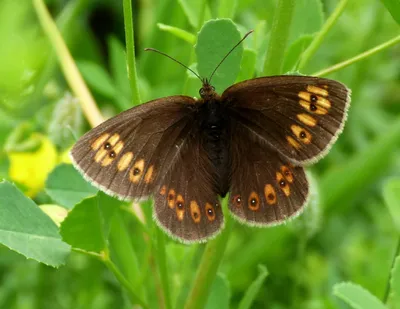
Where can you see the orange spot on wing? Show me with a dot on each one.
(210, 212)
(320, 91)
(287, 173)
(301, 134)
(254, 201)
(180, 207)
(171, 198)
(270, 194)
(282, 183)
(195, 211)
(149, 174)
(125, 160)
(100, 141)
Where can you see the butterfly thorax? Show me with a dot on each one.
(214, 129)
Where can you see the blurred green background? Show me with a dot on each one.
(347, 233)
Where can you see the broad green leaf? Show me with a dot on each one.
(308, 18)
(179, 33)
(393, 6)
(220, 294)
(391, 195)
(67, 187)
(356, 296)
(254, 288)
(215, 40)
(26, 229)
(248, 65)
(87, 225)
(97, 78)
(294, 52)
(395, 284)
(193, 10)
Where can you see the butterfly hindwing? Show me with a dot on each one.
(186, 205)
(299, 116)
(266, 188)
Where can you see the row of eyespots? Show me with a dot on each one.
(177, 202)
(108, 149)
(283, 178)
(314, 100)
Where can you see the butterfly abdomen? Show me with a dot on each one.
(214, 129)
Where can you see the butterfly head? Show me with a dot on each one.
(207, 91)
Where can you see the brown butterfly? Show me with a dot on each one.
(251, 142)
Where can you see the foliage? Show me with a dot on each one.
(343, 252)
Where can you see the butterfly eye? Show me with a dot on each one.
(202, 92)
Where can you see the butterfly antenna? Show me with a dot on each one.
(233, 48)
(177, 61)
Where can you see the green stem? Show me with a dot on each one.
(387, 290)
(135, 299)
(124, 253)
(209, 264)
(317, 41)
(63, 21)
(359, 57)
(279, 37)
(68, 65)
(130, 51)
(162, 268)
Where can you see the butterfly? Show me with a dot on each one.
(252, 142)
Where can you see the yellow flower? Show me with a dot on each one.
(32, 168)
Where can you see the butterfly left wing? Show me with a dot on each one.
(156, 149)
(186, 206)
(299, 116)
(266, 189)
(127, 155)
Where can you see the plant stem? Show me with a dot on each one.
(68, 65)
(130, 51)
(279, 37)
(387, 290)
(125, 283)
(163, 269)
(209, 264)
(316, 42)
(359, 57)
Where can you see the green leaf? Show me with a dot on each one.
(294, 52)
(308, 18)
(391, 195)
(193, 9)
(220, 294)
(393, 6)
(88, 225)
(67, 187)
(395, 284)
(248, 65)
(97, 78)
(356, 296)
(27, 230)
(215, 40)
(254, 288)
(179, 33)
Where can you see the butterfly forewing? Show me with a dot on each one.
(266, 188)
(299, 116)
(128, 155)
